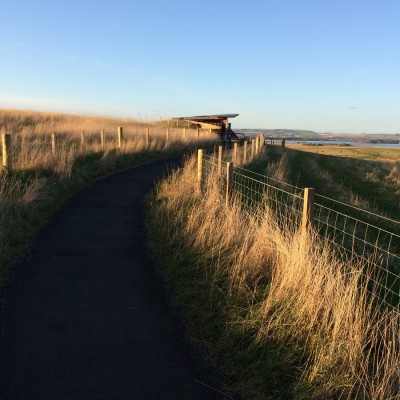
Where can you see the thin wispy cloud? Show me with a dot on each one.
(83, 60)
(164, 79)
(100, 64)
(21, 56)
(132, 70)
(363, 71)
(16, 44)
(150, 76)
(70, 57)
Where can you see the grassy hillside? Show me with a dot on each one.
(40, 179)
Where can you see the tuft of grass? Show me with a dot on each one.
(280, 313)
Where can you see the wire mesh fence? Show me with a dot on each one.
(363, 235)
(353, 233)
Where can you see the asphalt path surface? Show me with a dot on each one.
(87, 315)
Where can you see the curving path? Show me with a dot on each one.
(87, 316)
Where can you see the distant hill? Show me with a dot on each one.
(299, 134)
(286, 133)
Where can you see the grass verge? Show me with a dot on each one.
(279, 313)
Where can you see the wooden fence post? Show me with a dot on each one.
(234, 154)
(229, 181)
(120, 136)
(167, 135)
(308, 209)
(83, 140)
(245, 151)
(198, 132)
(219, 160)
(262, 140)
(7, 151)
(53, 144)
(253, 145)
(147, 137)
(102, 139)
(257, 145)
(199, 167)
(184, 133)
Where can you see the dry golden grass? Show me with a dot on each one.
(35, 122)
(298, 291)
(31, 134)
(40, 177)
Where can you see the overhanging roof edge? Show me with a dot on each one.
(206, 117)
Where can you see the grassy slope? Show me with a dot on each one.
(383, 154)
(353, 179)
(275, 338)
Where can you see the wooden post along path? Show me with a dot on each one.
(53, 144)
(235, 153)
(245, 152)
(229, 181)
(120, 136)
(308, 209)
(83, 140)
(199, 167)
(261, 142)
(219, 160)
(7, 152)
(102, 139)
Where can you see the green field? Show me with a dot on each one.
(383, 154)
(365, 177)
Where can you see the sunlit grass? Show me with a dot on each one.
(282, 313)
(41, 177)
(370, 153)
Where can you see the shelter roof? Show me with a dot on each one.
(209, 117)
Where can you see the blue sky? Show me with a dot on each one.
(324, 65)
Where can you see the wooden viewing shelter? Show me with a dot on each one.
(218, 123)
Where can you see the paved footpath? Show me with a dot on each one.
(87, 316)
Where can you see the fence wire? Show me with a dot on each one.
(359, 238)
(354, 234)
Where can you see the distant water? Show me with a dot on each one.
(339, 142)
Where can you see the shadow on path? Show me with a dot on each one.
(87, 317)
